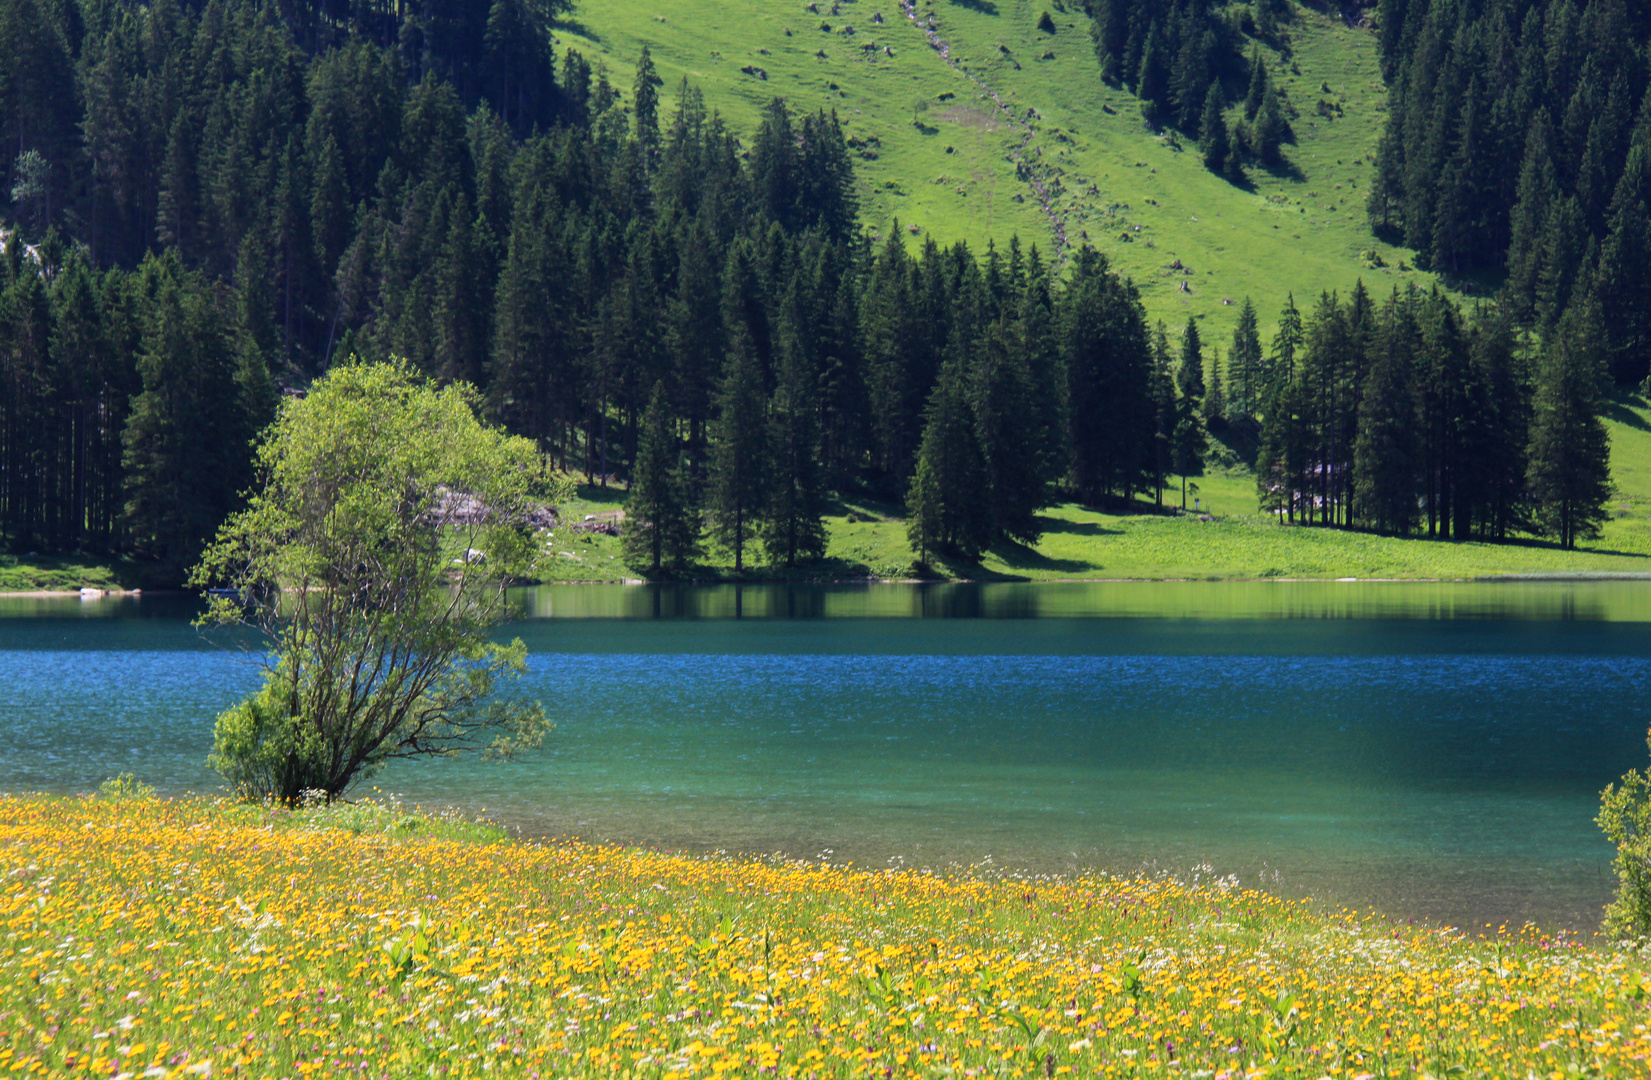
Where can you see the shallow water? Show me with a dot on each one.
(1434, 750)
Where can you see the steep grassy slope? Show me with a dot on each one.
(987, 126)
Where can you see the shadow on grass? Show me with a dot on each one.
(985, 7)
(1620, 411)
(1075, 528)
(1018, 556)
(575, 26)
(596, 493)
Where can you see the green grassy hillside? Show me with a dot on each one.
(956, 144)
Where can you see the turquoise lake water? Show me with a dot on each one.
(1433, 750)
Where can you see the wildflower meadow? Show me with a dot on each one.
(175, 938)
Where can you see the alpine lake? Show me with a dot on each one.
(1434, 751)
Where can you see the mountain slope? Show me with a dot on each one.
(988, 126)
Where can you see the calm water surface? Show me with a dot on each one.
(1435, 750)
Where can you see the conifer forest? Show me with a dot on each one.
(213, 202)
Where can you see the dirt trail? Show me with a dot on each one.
(1025, 168)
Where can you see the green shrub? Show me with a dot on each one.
(123, 787)
(1625, 816)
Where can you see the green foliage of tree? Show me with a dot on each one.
(1246, 374)
(1010, 432)
(792, 529)
(1625, 818)
(948, 510)
(662, 523)
(1385, 477)
(184, 462)
(1569, 475)
(1190, 441)
(737, 485)
(1214, 141)
(374, 556)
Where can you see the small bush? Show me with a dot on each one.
(1625, 816)
(123, 787)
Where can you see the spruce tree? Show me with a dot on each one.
(737, 486)
(1270, 128)
(1011, 434)
(187, 456)
(1215, 402)
(1213, 138)
(1257, 85)
(1281, 364)
(1385, 466)
(1537, 188)
(645, 104)
(1244, 363)
(1152, 78)
(1163, 413)
(661, 530)
(948, 510)
(792, 528)
(1569, 459)
(1191, 439)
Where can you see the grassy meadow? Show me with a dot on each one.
(193, 938)
(1231, 539)
(946, 160)
(66, 573)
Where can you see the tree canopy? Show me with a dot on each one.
(373, 556)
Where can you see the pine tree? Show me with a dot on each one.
(1163, 413)
(661, 529)
(1244, 363)
(1257, 85)
(1384, 469)
(1281, 365)
(1102, 334)
(792, 528)
(1215, 402)
(1623, 288)
(739, 449)
(1191, 439)
(1213, 138)
(1010, 433)
(1537, 188)
(1152, 78)
(186, 441)
(1569, 471)
(948, 509)
(1270, 128)
(645, 105)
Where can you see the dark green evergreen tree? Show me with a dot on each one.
(1569, 470)
(1010, 432)
(1244, 364)
(1385, 476)
(948, 510)
(661, 529)
(1190, 442)
(1213, 138)
(187, 454)
(792, 529)
(737, 485)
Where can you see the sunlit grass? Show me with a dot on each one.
(179, 938)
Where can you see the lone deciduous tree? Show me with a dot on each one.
(374, 558)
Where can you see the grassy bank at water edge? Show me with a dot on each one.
(1231, 539)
